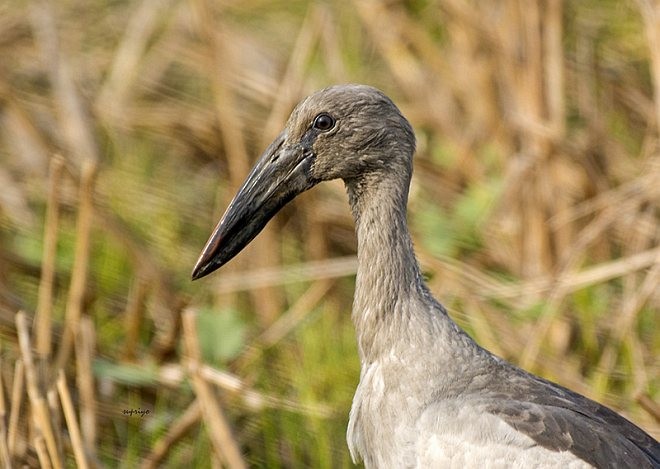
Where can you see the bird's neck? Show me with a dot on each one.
(390, 296)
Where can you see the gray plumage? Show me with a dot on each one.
(428, 396)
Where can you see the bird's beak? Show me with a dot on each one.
(281, 173)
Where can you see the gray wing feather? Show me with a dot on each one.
(561, 420)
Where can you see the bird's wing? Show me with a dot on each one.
(456, 435)
(561, 420)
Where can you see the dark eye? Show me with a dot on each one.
(324, 122)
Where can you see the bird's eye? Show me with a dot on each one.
(324, 122)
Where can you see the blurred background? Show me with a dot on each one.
(126, 127)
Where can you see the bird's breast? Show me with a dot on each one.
(385, 407)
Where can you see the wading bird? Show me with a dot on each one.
(429, 396)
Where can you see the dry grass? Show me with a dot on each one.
(127, 127)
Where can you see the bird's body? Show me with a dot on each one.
(428, 396)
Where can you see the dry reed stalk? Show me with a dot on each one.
(642, 235)
(401, 62)
(268, 302)
(522, 295)
(75, 299)
(218, 61)
(43, 316)
(258, 401)
(165, 313)
(133, 316)
(553, 53)
(472, 19)
(40, 411)
(286, 322)
(530, 68)
(622, 326)
(157, 57)
(331, 44)
(510, 339)
(552, 309)
(648, 178)
(74, 119)
(113, 97)
(4, 446)
(649, 405)
(418, 66)
(16, 401)
(468, 74)
(41, 419)
(528, 49)
(639, 376)
(469, 277)
(85, 347)
(585, 76)
(42, 452)
(71, 422)
(22, 134)
(534, 194)
(145, 262)
(609, 216)
(53, 403)
(561, 286)
(315, 229)
(226, 447)
(296, 314)
(176, 431)
(173, 375)
(483, 326)
(650, 11)
(548, 319)
(554, 84)
(292, 273)
(255, 401)
(608, 270)
(291, 85)
(165, 319)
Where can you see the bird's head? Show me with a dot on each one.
(344, 132)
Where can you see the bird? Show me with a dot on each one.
(428, 395)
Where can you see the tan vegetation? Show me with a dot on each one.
(126, 127)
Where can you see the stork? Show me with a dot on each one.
(429, 396)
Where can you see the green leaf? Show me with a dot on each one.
(221, 334)
(136, 375)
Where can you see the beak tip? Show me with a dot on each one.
(208, 260)
(201, 269)
(196, 274)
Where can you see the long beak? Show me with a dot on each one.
(281, 173)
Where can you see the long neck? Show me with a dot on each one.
(390, 295)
